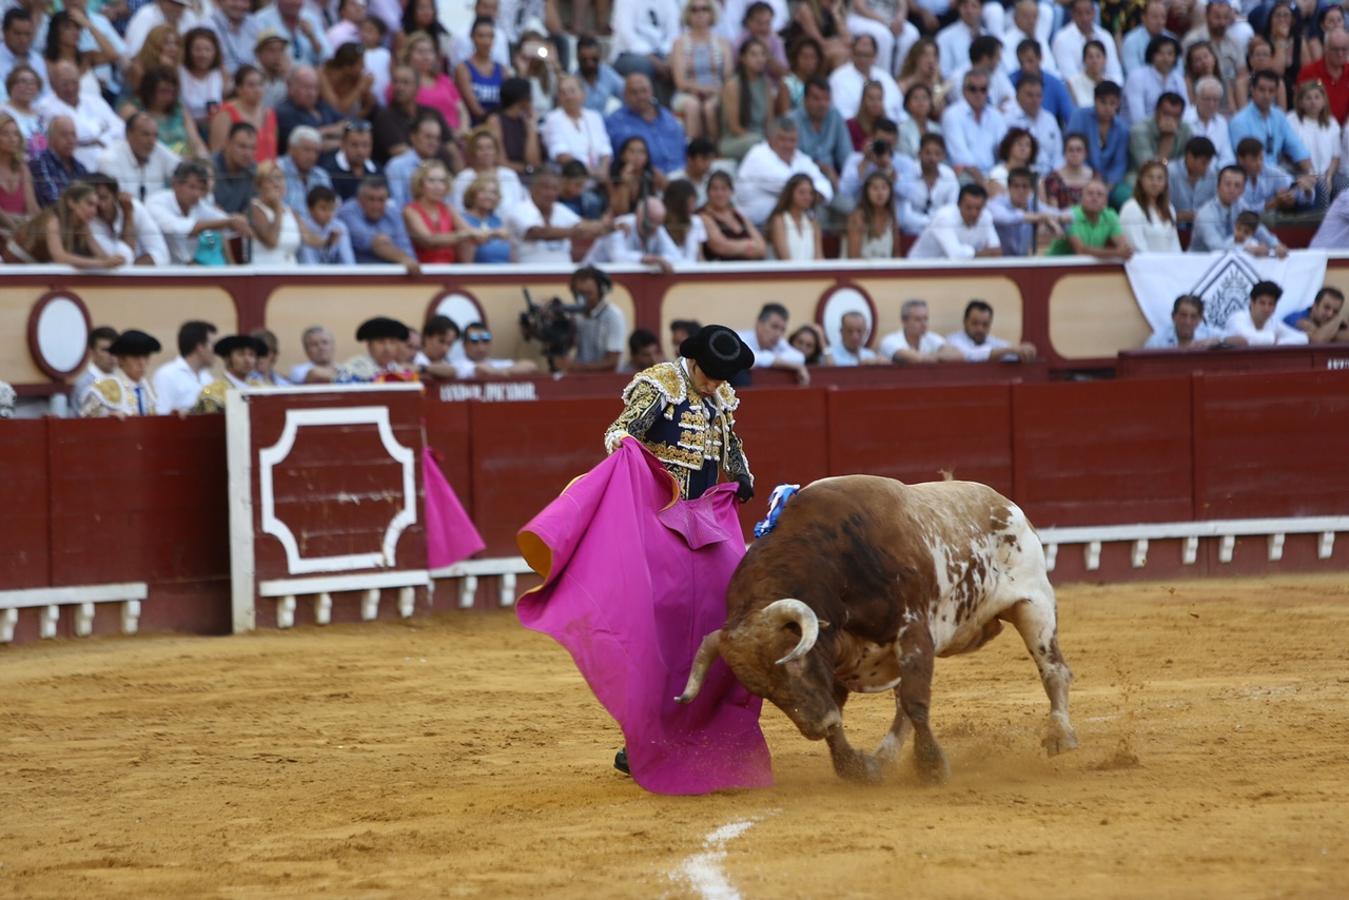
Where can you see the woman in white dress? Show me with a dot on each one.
(277, 231)
(792, 232)
(1310, 119)
(1148, 221)
(573, 132)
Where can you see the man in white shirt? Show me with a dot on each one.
(542, 228)
(320, 350)
(1072, 38)
(977, 345)
(852, 349)
(973, 128)
(97, 127)
(178, 384)
(913, 342)
(953, 41)
(846, 82)
(139, 241)
(768, 341)
(1205, 121)
(933, 188)
(963, 230)
(1027, 18)
(1026, 112)
(644, 35)
(158, 12)
(1258, 326)
(766, 168)
(139, 162)
(182, 212)
(886, 21)
(638, 237)
(478, 361)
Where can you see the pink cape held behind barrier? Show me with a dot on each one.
(450, 535)
(633, 580)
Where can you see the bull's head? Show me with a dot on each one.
(770, 653)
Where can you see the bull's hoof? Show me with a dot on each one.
(861, 769)
(931, 764)
(1059, 740)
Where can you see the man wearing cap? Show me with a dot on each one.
(240, 353)
(272, 51)
(125, 392)
(385, 340)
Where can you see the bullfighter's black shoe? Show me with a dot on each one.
(621, 761)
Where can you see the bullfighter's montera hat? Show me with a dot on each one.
(227, 345)
(382, 327)
(718, 351)
(134, 343)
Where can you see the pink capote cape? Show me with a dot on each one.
(450, 535)
(633, 580)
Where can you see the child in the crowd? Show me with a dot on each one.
(322, 220)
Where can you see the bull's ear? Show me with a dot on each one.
(824, 625)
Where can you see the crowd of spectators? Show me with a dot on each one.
(300, 132)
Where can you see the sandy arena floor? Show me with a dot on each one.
(463, 756)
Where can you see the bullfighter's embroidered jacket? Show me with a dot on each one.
(694, 437)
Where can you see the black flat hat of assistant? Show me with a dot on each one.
(134, 343)
(227, 345)
(718, 351)
(382, 327)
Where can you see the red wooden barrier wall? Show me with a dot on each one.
(1103, 453)
(92, 502)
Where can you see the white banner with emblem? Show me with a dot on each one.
(1223, 280)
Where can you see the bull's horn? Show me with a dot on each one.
(779, 612)
(707, 652)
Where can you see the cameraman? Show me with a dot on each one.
(601, 331)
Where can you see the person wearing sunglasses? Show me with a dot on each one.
(478, 361)
(973, 129)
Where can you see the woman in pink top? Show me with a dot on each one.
(16, 181)
(434, 88)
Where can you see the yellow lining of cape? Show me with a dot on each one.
(539, 555)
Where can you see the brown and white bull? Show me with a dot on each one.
(863, 583)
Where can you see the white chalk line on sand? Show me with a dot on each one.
(704, 871)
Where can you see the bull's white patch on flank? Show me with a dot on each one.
(704, 872)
